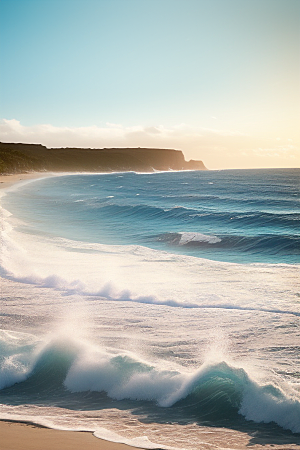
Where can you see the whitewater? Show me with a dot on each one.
(159, 310)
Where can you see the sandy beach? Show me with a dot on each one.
(69, 342)
(23, 436)
(8, 180)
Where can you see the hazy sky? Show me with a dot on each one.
(218, 79)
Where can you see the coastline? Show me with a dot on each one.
(21, 435)
(9, 180)
(27, 436)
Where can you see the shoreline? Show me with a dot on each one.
(7, 181)
(18, 435)
(28, 436)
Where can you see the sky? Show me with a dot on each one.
(217, 79)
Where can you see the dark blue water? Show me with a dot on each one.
(234, 215)
(124, 338)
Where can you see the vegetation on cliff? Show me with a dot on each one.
(18, 158)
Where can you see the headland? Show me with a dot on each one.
(22, 158)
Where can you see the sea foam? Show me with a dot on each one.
(148, 313)
(216, 390)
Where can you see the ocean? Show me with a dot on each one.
(159, 310)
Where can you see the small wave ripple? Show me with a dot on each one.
(268, 243)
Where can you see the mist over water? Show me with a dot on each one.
(154, 309)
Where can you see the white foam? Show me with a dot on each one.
(122, 273)
(269, 404)
(188, 237)
(15, 357)
(125, 377)
(140, 276)
(140, 441)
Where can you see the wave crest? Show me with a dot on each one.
(216, 391)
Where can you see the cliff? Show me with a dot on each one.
(18, 158)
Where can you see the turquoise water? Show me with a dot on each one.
(161, 310)
(236, 216)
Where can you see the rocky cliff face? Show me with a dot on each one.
(17, 158)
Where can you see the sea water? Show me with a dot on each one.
(160, 310)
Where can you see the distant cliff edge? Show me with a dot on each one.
(18, 158)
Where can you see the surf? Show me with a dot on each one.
(216, 391)
(108, 322)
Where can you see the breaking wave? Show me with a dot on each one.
(214, 392)
(85, 246)
(271, 244)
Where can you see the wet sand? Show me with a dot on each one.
(23, 436)
(26, 436)
(8, 180)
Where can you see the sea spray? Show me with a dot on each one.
(109, 323)
(215, 390)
